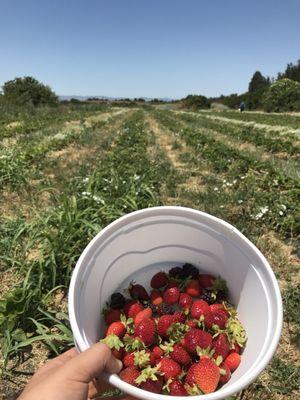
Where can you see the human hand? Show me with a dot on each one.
(72, 376)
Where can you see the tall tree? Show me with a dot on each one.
(28, 91)
(258, 82)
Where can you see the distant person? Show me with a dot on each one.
(242, 107)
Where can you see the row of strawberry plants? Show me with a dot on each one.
(20, 162)
(270, 142)
(279, 119)
(26, 121)
(128, 178)
(261, 192)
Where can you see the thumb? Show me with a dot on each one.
(90, 363)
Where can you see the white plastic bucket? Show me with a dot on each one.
(139, 244)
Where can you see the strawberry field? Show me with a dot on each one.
(67, 173)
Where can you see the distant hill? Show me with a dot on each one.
(83, 98)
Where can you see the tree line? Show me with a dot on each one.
(269, 94)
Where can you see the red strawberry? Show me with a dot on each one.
(142, 315)
(216, 306)
(221, 345)
(129, 375)
(196, 338)
(180, 355)
(145, 330)
(157, 351)
(159, 280)
(170, 368)
(171, 284)
(185, 301)
(171, 295)
(193, 288)
(237, 349)
(179, 317)
(192, 323)
(118, 353)
(207, 375)
(116, 328)
(112, 316)
(152, 386)
(128, 360)
(233, 361)
(177, 389)
(199, 308)
(132, 307)
(190, 377)
(218, 318)
(156, 297)
(138, 292)
(206, 281)
(225, 373)
(164, 324)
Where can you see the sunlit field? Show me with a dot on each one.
(67, 172)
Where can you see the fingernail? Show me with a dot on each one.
(120, 365)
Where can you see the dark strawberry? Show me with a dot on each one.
(132, 308)
(171, 284)
(112, 316)
(142, 315)
(190, 270)
(179, 317)
(233, 361)
(199, 308)
(196, 338)
(159, 280)
(138, 292)
(145, 330)
(119, 354)
(153, 386)
(117, 328)
(171, 295)
(129, 375)
(128, 360)
(169, 368)
(225, 373)
(221, 345)
(117, 301)
(206, 281)
(185, 301)
(177, 389)
(236, 349)
(176, 272)
(193, 288)
(180, 355)
(207, 375)
(218, 318)
(156, 297)
(164, 324)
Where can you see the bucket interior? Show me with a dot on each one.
(137, 250)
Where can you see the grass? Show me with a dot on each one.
(71, 179)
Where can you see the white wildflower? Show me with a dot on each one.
(85, 180)
(86, 193)
(283, 206)
(262, 212)
(243, 177)
(280, 212)
(234, 181)
(240, 201)
(216, 189)
(221, 206)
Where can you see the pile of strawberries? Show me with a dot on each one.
(181, 339)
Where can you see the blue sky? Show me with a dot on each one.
(152, 48)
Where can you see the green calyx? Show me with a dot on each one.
(166, 386)
(132, 344)
(167, 347)
(193, 390)
(176, 331)
(113, 341)
(141, 358)
(205, 352)
(235, 331)
(147, 373)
